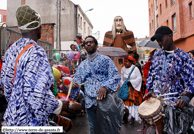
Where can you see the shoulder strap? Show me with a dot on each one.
(130, 73)
(25, 48)
(165, 87)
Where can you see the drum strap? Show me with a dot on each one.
(20, 54)
(165, 87)
(58, 119)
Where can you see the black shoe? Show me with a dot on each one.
(131, 122)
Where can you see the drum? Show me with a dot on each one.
(74, 107)
(65, 122)
(150, 111)
(55, 120)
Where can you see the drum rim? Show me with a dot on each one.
(154, 113)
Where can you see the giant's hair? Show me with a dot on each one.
(124, 30)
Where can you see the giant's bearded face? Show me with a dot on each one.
(118, 23)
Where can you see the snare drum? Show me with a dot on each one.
(151, 112)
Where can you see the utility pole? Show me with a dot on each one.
(60, 26)
(58, 30)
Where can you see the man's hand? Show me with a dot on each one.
(148, 95)
(75, 85)
(102, 93)
(181, 103)
(65, 105)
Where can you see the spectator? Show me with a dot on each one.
(134, 83)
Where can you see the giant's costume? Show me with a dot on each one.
(160, 69)
(119, 38)
(30, 100)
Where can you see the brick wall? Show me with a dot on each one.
(47, 33)
(183, 35)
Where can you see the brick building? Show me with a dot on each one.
(3, 14)
(176, 14)
(73, 18)
(47, 33)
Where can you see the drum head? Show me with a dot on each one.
(148, 107)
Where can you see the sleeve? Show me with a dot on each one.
(149, 82)
(38, 80)
(6, 79)
(136, 83)
(187, 74)
(122, 75)
(108, 39)
(114, 76)
(129, 39)
(78, 79)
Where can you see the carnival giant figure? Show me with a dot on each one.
(119, 37)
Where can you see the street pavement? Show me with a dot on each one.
(80, 126)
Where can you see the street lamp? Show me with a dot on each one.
(89, 10)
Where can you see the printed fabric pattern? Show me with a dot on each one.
(30, 100)
(160, 69)
(106, 75)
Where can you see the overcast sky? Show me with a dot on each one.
(134, 13)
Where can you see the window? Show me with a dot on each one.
(157, 21)
(173, 1)
(160, 8)
(149, 11)
(78, 19)
(84, 27)
(152, 7)
(174, 22)
(81, 22)
(166, 3)
(167, 23)
(152, 24)
(150, 27)
(88, 31)
(190, 10)
(1, 18)
(156, 2)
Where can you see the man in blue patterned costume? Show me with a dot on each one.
(182, 75)
(171, 71)
(30, 100)
(101, 76)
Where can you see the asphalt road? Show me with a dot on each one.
(80, 126)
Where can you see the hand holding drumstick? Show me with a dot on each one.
(180, 103)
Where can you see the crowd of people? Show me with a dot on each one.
(27, 80)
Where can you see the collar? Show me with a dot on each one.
(91, 57)
(169, 51)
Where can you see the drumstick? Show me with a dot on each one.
(154, 96)
(86, 82)
(69, 91)
(83, 83)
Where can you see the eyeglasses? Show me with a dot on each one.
(89, 42)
